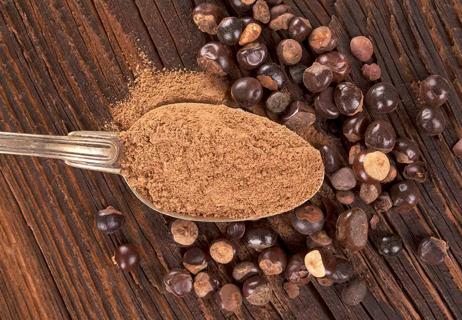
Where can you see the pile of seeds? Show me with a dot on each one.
(377, 167)
(306, 58)
(110, 221)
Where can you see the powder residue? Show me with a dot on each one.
(153, 88)
(217, 162)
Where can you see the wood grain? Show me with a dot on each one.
(63, 61)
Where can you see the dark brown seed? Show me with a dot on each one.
(348, 98)
(404, 195)
(257, 291)
(354, 152)
(432, 250)
(352, 229)
(277, 102)
(244, 270)
(229, 30)
(322, 39)
(204, 284)
(369, 192)
(126, 257)
(392, 174)
(317, 78)
(371, 166)
(250, 33)
(406, 150)
(382, 98)
(310, 244)
(281, 22)
(320, 262)
(343, 179)
(371, 72)
(338, 62)
(260, 238)
(235, 230)
(375, 220)
(261, 11)
(296, 271)
(345, 197)
(247, 92)
(271, 76)
(432, 121)
(331, 158)
(289, 52)
(274, 2)
(241, 6)
(184, 232)
(229, 298)
(457, 149)
(207, 16)
(390, 245)
(298, 115)
(325, 282)
(307, 219)
(252, 55)
(380, 135)
(292, 290)
(354, 128)
(195, 260)
(109, 220)
(383, 203)
(434, 90)
(362, 48)
(296, 72)
(416, 171)
(272, 116)
(222, 251)
(247, 20)
(299, 29)
(216, 58)
(354, 293)
(344, 271)
(325, 106)
(272, 261)
(178, 282)
(307, 57)
(320, 239)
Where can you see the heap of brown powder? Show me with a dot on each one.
(153, 88)
(217, 162)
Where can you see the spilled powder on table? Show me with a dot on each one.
(153, 88)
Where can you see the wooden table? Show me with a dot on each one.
(63, 61)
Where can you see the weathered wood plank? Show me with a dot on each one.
(62, 62)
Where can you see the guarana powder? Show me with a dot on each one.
(153, 88)
(214, 161)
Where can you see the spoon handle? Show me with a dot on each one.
(93, 150)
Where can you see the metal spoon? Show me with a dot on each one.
(92, 150)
